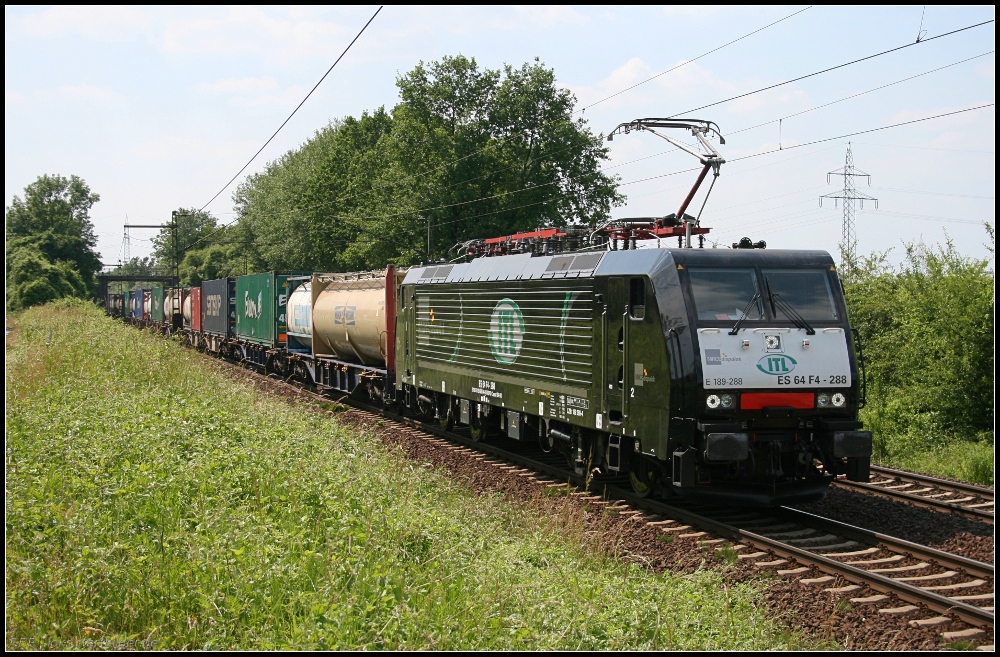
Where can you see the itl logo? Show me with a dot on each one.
(776, 364)
(506, 332)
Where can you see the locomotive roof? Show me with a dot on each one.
(586, 264)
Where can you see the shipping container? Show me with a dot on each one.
(299, 314)
(218, 307)
(135, 304)
(156, 305)
(194, 308)
(172, 306)
(260, 309)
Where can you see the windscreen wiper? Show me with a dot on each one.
(743, 315)
(778, 303)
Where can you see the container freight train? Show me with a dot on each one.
(721, 375)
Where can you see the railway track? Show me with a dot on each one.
(929, 587)
(903, 578)
(955, 497)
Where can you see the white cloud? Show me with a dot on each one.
(692, 11)
(240, 85)
(550, 16)
(282, 33)
(172, 146)
(683, 84)
(110, 23)
(235, 30)
(87, 92)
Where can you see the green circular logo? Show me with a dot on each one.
(506, 332)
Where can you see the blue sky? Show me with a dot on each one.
(157, 108)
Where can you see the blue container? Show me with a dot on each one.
(135, 304)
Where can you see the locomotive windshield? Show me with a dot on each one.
(806, 290)
(723, 294)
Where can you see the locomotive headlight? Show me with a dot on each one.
(839, 399)
(727, 401)
(713, 401)
(822, 400)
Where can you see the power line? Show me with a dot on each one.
(685, 63)
(914, 191)
(929, 148)
(832, 68)
(294, 110)
(929, 217)
(840, 100)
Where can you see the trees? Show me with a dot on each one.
(50, 242)
(928, 328)
(469, 152)
(188, 228)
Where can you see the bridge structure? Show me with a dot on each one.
(104, 280)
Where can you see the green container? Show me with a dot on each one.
(156, 305)
(260, 309)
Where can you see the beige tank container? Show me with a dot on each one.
(299, 313)
(186, 308)
(349, 316)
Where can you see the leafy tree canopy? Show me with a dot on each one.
(470, 152)
(928, 328)
(33, 279)
(193, 228)
(50, 242)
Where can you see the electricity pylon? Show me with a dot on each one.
(849, 195)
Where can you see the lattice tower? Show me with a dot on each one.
(849, 195)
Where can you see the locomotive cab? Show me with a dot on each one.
(775, 384)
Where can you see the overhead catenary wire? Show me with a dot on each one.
(297, 107)
(831, 68)
(862, 93)
(689, 61)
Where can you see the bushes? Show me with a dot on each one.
(33, 279)
(928, 333)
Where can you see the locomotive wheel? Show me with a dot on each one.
(448, 421)
(643, 479)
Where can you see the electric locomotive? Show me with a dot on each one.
(716, 374)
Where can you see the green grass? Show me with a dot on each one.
(150, 499)
(923, 442)
(965, 460)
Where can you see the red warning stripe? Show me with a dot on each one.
(753, 401)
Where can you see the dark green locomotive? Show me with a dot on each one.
(726, 374)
